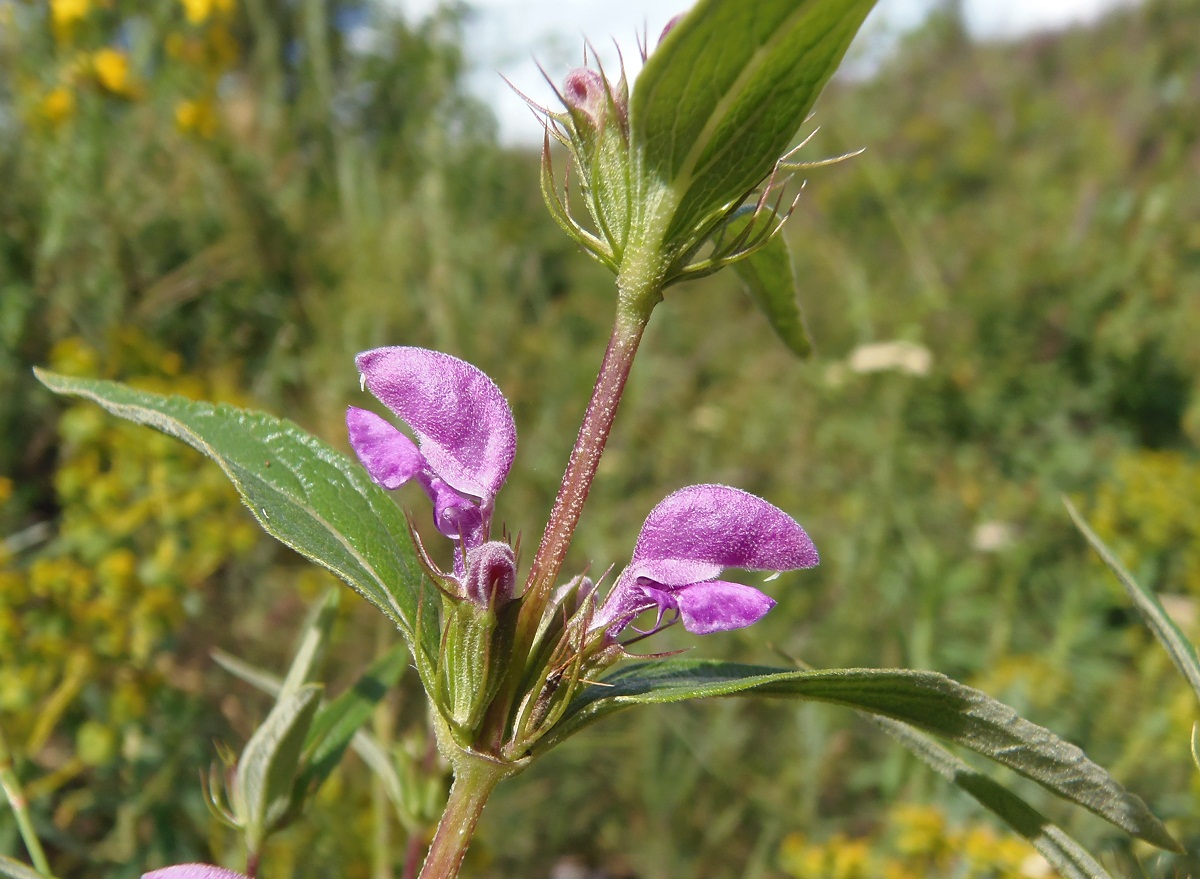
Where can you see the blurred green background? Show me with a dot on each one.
(223, 199)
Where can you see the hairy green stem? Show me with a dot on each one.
(20, 809)
(474, 780)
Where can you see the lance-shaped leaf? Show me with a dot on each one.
(770, 279)
(266, 772)
(1178, 647)
(721, 99)
(928, 701)
(338, 722)
(1068, 857)
(314, 636)
(301, 490)
(14, 869)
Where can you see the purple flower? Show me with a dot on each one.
(466, 440)
(193, 871)
(686, 542)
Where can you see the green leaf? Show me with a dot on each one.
(721, 99)
(266, 771)
(1063, 853)
(16, 870)
(338, 721)
(770, 280)
(256, 677)
(365, 745)
(929, 701)
(380, 762)
(302, 491)
(1178, 647)
(313, 638)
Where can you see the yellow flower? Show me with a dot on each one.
(6, 489)
(111, 67)
(921, 830)
(196, 116)
(199, 11)
(66, 13)
(58, 105)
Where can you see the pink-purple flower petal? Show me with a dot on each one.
(460, 417)
(686, 542)
(727, 527)
(390, 457)
(718, 606)
(193, 871)
(455, 516)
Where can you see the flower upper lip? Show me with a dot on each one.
(460, 417)
(465, 431)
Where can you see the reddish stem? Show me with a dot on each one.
(474, 780)
(581, 469)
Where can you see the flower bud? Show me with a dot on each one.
(595, 129)
(584, 89)
(491, 575)
(589, 98)
(478, 621)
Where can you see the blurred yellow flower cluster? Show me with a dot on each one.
(66, 14)
(917, 842)
(210, 49)
(111, 69)
(197, 116)
(108, 70)
(145, 524)
(1149, 512)
(90, 59)
(199, 11)
(58, 105)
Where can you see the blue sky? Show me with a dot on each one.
(505, 36)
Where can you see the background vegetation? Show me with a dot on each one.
(228, 199)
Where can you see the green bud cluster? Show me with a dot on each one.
(594, 127)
